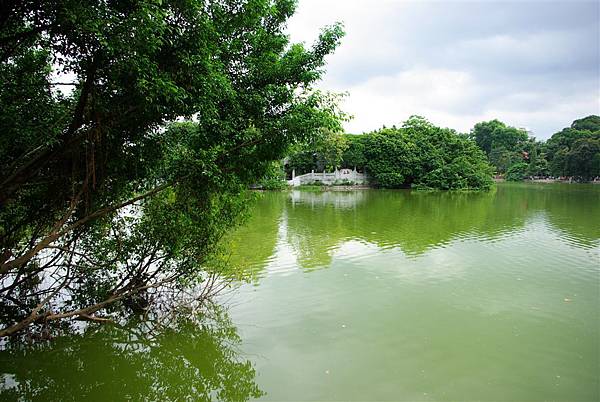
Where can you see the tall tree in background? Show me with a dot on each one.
(504, 145)
(323, 153)
(575, 150)
(100, 205)
(354, 155)
(572, 152)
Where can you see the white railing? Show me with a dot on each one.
(339, 176)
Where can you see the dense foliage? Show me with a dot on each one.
(501, 143)
(324, 153)
(572, 152)
(575, 151)
(516, 172)
(354, 154)
(423, 155)
(274, 178)
(418, 154)
(102, 201)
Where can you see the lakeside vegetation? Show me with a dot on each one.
(572, 152)
(418, 154)
(422, 155)
(137, 262)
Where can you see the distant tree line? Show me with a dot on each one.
(572, 152)
(420, 154)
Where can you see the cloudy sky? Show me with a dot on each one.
(531, 64)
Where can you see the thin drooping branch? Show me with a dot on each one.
(34, 315)
(56, 233)
(86, 311)
(7, 266)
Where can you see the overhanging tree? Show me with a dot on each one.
(100, 204)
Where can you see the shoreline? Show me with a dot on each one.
(547, 181)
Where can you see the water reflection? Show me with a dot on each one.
(310, 226)
(387, 295)
(253, 245)
(188, 360)
(457, 295)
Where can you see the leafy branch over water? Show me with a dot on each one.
(104, 200)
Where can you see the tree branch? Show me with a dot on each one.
(31, 167)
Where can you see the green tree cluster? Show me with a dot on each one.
(323, 153)
(572, 152)
(418, 154)
(517, 172)
(503, 145)
(103, 199)
(575, 151)
(423, 155)
(354, 155)
(274, 178)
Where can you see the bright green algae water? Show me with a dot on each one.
(370, 295)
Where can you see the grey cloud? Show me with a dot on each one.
(521, 58)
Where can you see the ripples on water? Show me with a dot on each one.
(426, 296)
(307, 228)
(369, 295)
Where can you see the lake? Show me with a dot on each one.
(369, 295)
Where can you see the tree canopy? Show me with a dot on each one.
(501, 143)
(572, 152)
(575, 151)
(418, 154)
(324, 154)
(424, 155)
(103, 196)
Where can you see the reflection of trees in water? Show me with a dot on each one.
(337, 199)
(418, 221)
(317, 223)
(412, 221)
(190, 359)
(252, 244)
(572, 209)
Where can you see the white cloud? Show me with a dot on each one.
(456, 99)
(391, 99)
(531, 64)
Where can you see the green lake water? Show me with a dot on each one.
(369, 295)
